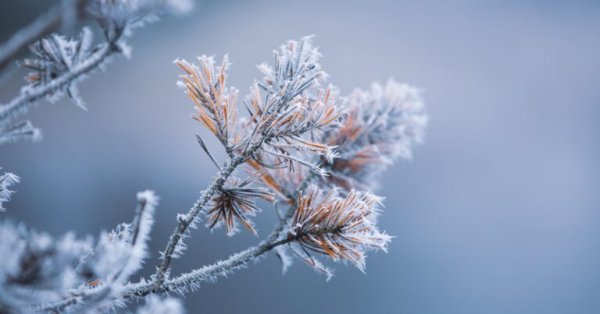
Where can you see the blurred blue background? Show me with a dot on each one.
(497, 213)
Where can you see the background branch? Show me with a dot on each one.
(65, 13)
(27, 98)
(188, 219)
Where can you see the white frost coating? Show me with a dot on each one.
(295, 132)
(156, 305)
(340, 227)
(140, 228)
(122, 10)
(382, 124)
(40, 271)
(18, 132)
(6, 181)
(30, 95)
(285, 259)
(61, 63)
(38, 268)
(121, 252)
(56, 56)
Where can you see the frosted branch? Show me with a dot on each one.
(6, 181)
(65, 13)
(30, 96)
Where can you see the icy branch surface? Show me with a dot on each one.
(59, 64)
(7, 180)
(294, 143)
(156, 305)
(42, 271)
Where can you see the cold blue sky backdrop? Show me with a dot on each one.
(499, 212)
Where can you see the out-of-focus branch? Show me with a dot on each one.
(192, 279)
(29, 97)
(63, 14)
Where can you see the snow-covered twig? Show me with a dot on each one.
(29, 97)
(6, 181)
(61, 64)
(310, 147)
(67, 12)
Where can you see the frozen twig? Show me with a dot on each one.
(65, 13)
(312, 149)
(6, 181)
(186, 220)
(29, 97)
(60, 63)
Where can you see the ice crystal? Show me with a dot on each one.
(236, 202)
(216, 104)
(318, 152)
(381, 125)
(20, 131)
(55, 56)
(120, 252)
(38, 268)
(6, 181)
(41, 270)
(342, 228)
(156, 305)
(286, 108)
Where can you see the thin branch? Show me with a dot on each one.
(189, 280)
(20, 131)
(207, 273)
(64, 13)
(193, 278)
(29, 97)
(187, 220)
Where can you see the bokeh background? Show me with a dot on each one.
(497, 213)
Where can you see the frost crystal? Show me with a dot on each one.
(234, 202)
(40, 270)
(342, 228)
(6, 181)
(131, 10)
(381, 125)
(20, 131)
(156, 305)
(121, 252)
(215, 102)
(56, 56)
(318, 153)
(284, 258)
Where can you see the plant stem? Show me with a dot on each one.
(65, 13)
(193, 278)
(29, 97)
(184, 223)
